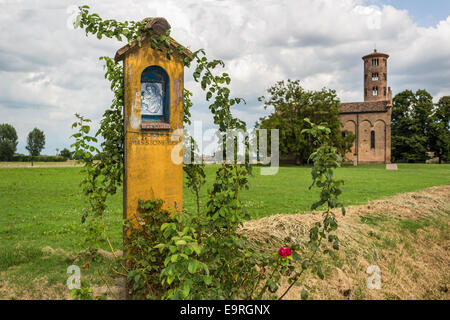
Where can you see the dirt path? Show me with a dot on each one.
(70, 163)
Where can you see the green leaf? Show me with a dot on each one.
(192, 267)
(336, 245)
(173, 249)
(164, 226)
(186, 289)
(181, 243)
(207, 280)
(273, 287)
(320, 273)
(196, 248)
(305, 264)
(304, 294)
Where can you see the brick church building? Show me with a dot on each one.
(370, 120)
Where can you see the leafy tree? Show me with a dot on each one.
(411, 125)
(66, 153)
(292, 104)
(35, 143)
(8, 142)
(440, 130)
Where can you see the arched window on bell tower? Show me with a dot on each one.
(375, 91)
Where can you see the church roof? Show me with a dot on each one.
(157, 25)
(362, 107)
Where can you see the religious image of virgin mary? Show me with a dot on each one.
(151, 99)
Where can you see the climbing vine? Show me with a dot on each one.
(201, 254)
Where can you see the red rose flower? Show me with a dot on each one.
(288, 251)
(284, 252)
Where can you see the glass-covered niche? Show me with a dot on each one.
(155, 93)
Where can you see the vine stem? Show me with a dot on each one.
(265, 286)
(117, 272)
(237, 189)
(213, 79)
(109, 288)
(109, 242)
(256, 285)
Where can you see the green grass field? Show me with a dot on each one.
(43, 206)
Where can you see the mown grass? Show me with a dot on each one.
(43, 207)
(287, 191)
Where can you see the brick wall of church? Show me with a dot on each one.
(362, 124)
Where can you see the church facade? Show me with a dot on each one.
(370, 120)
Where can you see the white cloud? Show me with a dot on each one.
(48, 71)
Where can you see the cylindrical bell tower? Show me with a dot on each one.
(375, 77)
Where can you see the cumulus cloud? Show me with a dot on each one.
(48, 71)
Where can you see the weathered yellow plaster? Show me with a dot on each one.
(150, 172)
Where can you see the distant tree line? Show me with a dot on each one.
(420, 126)
(35, 145)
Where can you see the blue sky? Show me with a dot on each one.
(426, 13)
(49, 72)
